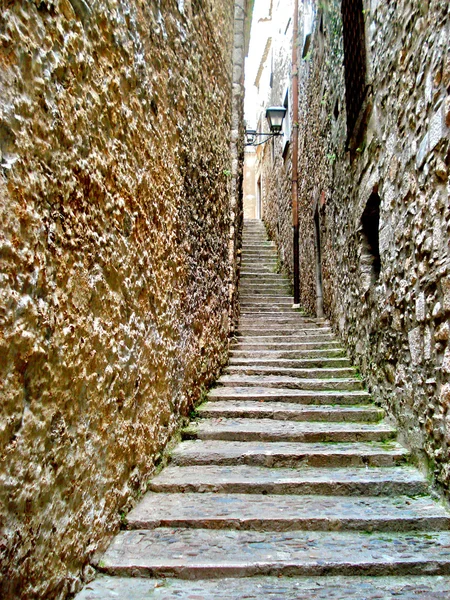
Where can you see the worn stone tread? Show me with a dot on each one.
(245, 479)
(284, 381)
(293, 363)
(289, 355)
(289, 410)
(260, 393)
(273, 430)
(243, 344)
(289, 512)
(308, 372)
(269, 588)
(198, 553)
(297, 334)
(283, 454)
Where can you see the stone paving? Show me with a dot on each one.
(289, 483)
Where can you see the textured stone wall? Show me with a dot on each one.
(242, 13)
(115, 132)
(275, 156)
(396, 324)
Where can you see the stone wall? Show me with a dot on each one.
(274, 166)
(115, 132)
(394, 317)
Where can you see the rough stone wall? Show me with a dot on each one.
(115, 132)
(242, 12)
(396, 325)
(249, 196)
(274, 158)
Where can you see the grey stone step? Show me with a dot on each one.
(259, 264)
(275, 329)
(205, 553)
(291, 316)
(247, 310)
(294, 363)
(298, 329)
(268, 264)
(268, 292)
(280, 381)
(242, 479)
(273, 430)
(269, 301)
(274, 322)
(259, 394)
(269, 588)
(288, 454)
(281, 286)
(262, 256)
(288, 513)
(248, 275)
(289, 411)
(255, 241)
(288, 355)
(293, 346)
(310, 373)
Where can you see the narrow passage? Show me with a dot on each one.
(289, 484)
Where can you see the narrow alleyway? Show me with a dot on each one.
(289, 481)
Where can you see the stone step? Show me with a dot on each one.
(276, 318)
(255, 310)
(298, 328)
(294, 346)
(272, 277)
(242, 479)
(278, 324)
(261, 394)
(260, 512)
(245, 298)
(258, 267)
(265, 285)
(294, 363)
(259, 254)
(206, 553)
(280, 381)
(289, 454)
(287, 355)
(274, 430)
(296, 336)
(268, 264)
(259, 263)
(280, 289)
(266, 292)
(303, 372)
(238, 409)
(269, 588)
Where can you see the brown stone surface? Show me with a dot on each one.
(115, 128)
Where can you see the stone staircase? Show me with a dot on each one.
(288, 485)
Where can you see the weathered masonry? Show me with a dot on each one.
(120, 225)
(374, 198)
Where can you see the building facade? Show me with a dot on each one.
(374, 218)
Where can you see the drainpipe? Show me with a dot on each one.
(295, 228)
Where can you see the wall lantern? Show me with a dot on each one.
(274, 116)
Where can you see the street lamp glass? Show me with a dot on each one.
(275, 116)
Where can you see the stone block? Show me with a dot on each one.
(438, 129)
(415, 339)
